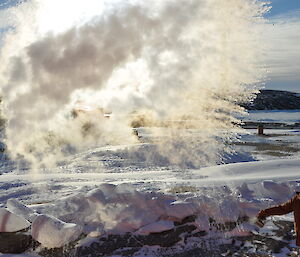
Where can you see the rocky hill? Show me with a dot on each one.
(274, 100)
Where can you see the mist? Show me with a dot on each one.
(77, 78)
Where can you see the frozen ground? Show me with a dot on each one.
(110, 190)
(290, 116)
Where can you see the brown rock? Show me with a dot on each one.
(15, 242)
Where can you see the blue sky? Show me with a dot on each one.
(283, 6)
(8, 3)
(283, 39)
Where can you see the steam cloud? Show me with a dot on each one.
(166, 61)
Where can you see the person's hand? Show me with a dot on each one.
(260, 223)
(261, 215)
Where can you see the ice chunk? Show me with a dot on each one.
(125, 188)
(229, 210)
(20, 209)
(202, 222)
(10, 222)
(95, 233)
(109, 190)
(277, 190)
(156, 206)
(103, 194)
(123, 209)
(250, 209)
(296, 187)
(54, 233)
(96, 196)
(156, 227)
(93, 229)
(206, 205)
(237, 232)
(180, 210)
(245, 192)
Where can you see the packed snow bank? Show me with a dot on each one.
(111, 209)
(221, 194)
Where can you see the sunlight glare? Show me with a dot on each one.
(53, 17)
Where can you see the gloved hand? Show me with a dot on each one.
(260, 219)
(260, 222)
(261, 215)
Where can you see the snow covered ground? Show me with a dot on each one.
(110, 190)
(290, 116)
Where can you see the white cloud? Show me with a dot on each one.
(283, 54)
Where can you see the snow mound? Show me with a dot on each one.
(54, 233)
(122, 209)
(118, 209)
(10, 222)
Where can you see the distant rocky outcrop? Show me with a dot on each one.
(274, 100)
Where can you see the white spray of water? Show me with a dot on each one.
(166, 61)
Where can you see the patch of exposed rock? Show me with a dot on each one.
(274, 100)
(184, 240)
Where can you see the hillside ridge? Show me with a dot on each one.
(268, 99)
